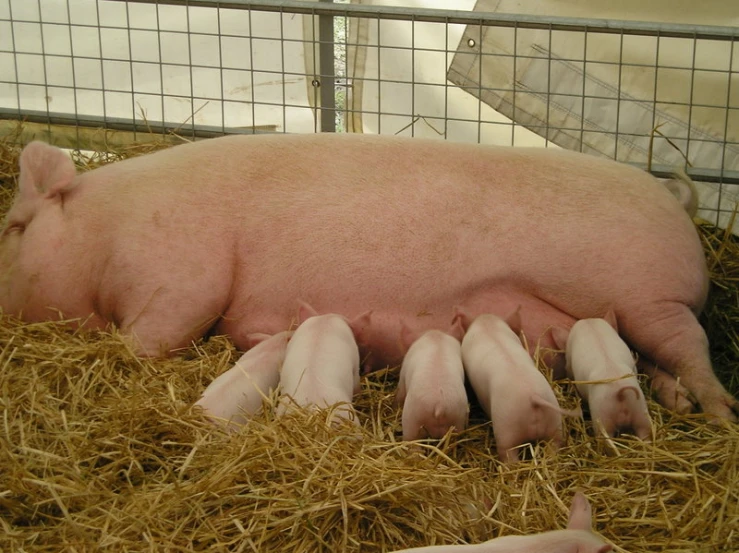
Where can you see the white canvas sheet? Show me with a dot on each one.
(94, 65)
(424, 95)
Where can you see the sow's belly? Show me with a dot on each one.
(394, 302)
(411, 241)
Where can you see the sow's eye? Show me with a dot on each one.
(14, 228)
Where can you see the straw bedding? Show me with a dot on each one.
(101, 451)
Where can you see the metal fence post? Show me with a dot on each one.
(327, 77)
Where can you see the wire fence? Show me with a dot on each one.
(654, 95)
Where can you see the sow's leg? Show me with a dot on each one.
(160, 324)
(670, 335)
(149, 338)
(670, 393)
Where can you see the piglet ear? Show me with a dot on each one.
(463, 317)
(581, 513)
(305, 311)
(560, 335)
(407, 337)
(457, 330)
(610, 318)
(256, 338)
(360, 327)
(514, 320)
(46, 171)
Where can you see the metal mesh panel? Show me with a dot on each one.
(650, 94)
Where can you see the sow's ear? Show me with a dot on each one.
(46, 171)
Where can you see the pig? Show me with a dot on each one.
(431, 386)
(240, 391)
(595, 352)
(321, 366)
(512, 391)
(683, 188)
(668, 391)
(223, 236)
(577, 538)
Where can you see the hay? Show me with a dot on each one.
(100, 450)
(720, 317)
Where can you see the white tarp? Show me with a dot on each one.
(620, 87)
(139, 61)
(396, 90)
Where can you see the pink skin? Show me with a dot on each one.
(515, 395)
(577, 538)
(683, 188)
(669, 392)
(225, 235)
(239, 392)
(321, 366)
(596, 352)
(431, 386)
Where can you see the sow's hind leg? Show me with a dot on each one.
(669, 334)
(669, 392)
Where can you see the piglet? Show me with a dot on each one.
(431, 387)
(512, 391)
(239, 392)
(321, 366)
(595, 352)
(577, 538)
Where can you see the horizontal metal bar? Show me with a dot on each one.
(206, 131)
(698, 174)
(307, 41)
(643, 28)
(127, 125)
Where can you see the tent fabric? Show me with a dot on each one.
(602, 94)
(178, 64)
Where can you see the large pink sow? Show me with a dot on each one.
(227, 234)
